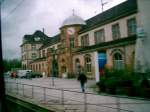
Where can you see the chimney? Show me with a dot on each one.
(43, 30)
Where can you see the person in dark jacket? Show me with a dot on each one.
(83, 79)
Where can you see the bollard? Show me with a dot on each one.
(32, 91)
(10, 87)
(17, 89)
(118, 104)
(23, 89)
(44, 93)
(85, 102)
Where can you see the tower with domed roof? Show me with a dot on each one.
(69, 40)
(70, 29)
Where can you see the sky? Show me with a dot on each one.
(21, 17)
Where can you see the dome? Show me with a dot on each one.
(73, 20)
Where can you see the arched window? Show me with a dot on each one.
(88, 64)
(62, 60)
(63, 69)
(118, 61)
(77, 65)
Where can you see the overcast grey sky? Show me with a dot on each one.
(32, 15)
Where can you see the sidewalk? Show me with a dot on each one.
(68, 84)
(76, 100)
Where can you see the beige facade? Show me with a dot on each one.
(126, 50)
(39, 66)
(108, 29)
(127, 53)
(29, 53)
(82, 62)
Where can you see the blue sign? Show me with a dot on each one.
(102, 60)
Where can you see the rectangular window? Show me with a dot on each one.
(25, 57)
(43, 53)
(99, 36)
(26, 47)
(33, 55)
(115, 31)
(33, 47)
(21, 49)
(85, 40)
(39, 54)
(48, 51)
(131, 24)
(71, 42)
(88, 64)
(59, 46)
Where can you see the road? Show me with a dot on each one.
(68, 92)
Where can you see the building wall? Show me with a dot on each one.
(81, 57)
(144, 16)
(108, 29)
(27, 54)
(55, 46)
(127, 53)
(40, 67)
(65, 58)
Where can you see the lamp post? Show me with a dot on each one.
(53, 51)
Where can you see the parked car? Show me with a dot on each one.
(7, 74)
(24, 73)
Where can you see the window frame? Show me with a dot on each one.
(34, 57)
(72, 44)
(101, 37)
(88, 64)
(33, 47)
(130, 27)
(118, 63)
(116, 34)
(85, 40)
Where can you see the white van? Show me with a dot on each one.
(23, 73)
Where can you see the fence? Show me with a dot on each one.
(71, 100)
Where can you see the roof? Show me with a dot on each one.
(73, 20)
(110, 44)
(124, 9)
(50, 41)
(40, 34)
(31, 38)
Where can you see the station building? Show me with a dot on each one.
(106, 40)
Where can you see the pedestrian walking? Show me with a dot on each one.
(83, 79)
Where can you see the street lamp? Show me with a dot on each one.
(53, 52)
